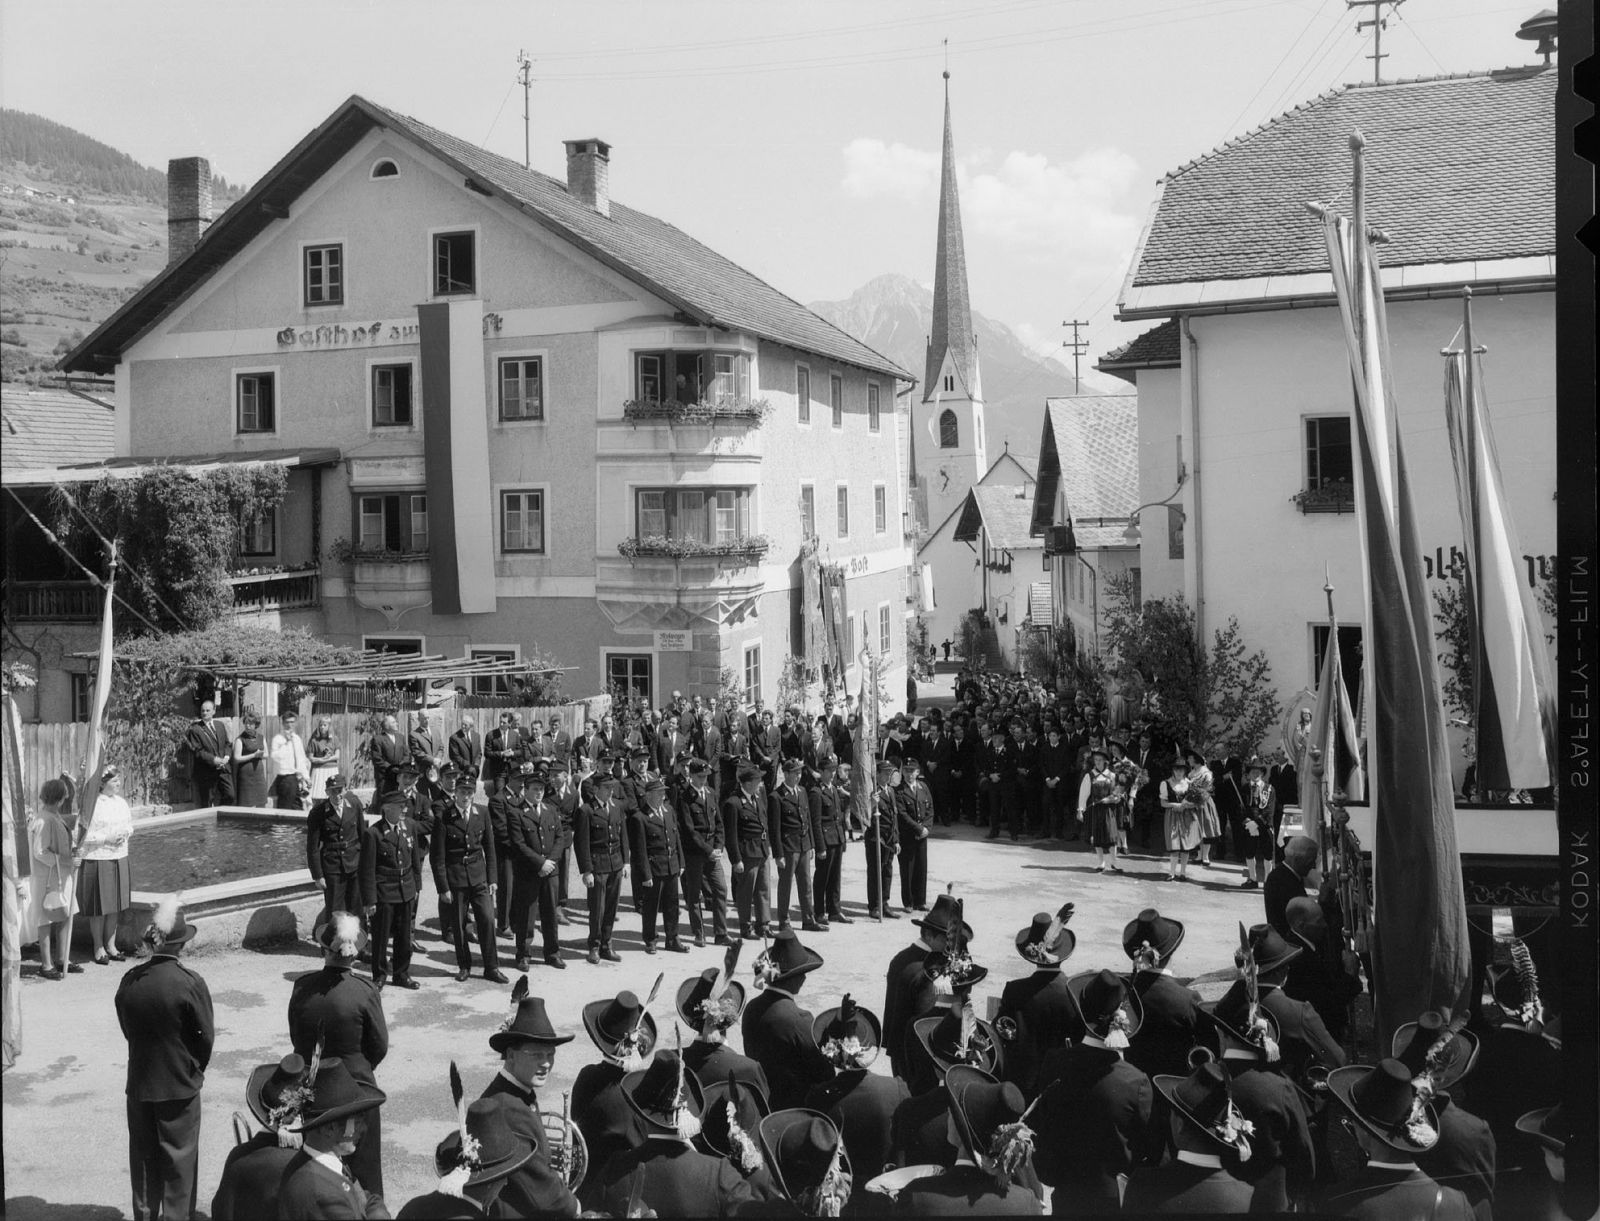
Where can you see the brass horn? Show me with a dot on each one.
(1200, 1054)
(1315, 1078)
(1006, 1029)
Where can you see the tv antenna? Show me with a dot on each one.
(1078, 346)
(1378, 23)
(525, 75)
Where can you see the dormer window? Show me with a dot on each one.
(385, 169)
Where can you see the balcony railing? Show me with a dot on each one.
(1337, 497)
(269, 591)
(53, 601)
(671, 411)
(737, 552)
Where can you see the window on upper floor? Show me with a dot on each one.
(1329, 467)
(949, 383)
(730, 378)
(880, 508)
(82, 690)
(692, 377)
(260, 535)
(392, 521)
(522, 522)
(491, 684)
(949, 430)
(705, 515)
(522, 388)
(836, 398)
(752, 674)
(885, 630)
(841, 498)
(324, 274)
(256, 402)
(802, 394)
(455, 263)
(391, 396)
(808, 510)
(874, 410)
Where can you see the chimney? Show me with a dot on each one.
(589, 173)
(188, 204)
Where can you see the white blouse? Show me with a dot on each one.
(107, 839)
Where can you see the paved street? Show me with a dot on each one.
(65, 1134)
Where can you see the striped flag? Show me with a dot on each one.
(1333, 732)
(1419, 943)
(1515, 706)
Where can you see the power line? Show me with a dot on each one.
(106, 542)
(1377, 24)
(1412, 30)
(1282, 59)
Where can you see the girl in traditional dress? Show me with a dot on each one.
(323, 754)
(1126, 773)
(1097, 807)
(1202, 791)
(54, 879)
(1181, 817)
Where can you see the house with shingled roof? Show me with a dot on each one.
(1245, 503)
(517, 413)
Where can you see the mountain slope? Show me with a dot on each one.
(894, 314)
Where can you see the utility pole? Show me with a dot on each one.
(1378, 23)
(525, 75)
(1078, 346)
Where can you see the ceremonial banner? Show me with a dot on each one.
(90, 790)
(835, 614)
(814, 633)
(1515, 705)
(13, 799)
(1419, 944)
(1333, 732)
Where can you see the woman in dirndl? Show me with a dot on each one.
(1097, 807)
(322, 752)
(1202, 791)
(105, 884)
(1126, 772)
(1181, 819)
(53, 898)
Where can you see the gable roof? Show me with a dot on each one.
(1458, 169)
(697, 280)
(43, 427)
(1006, 516)
(1157, 348)
(1090, 450)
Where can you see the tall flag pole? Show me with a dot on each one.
(1419, 938)
(1513, 707)
(102, 696)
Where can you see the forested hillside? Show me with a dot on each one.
(73, 159)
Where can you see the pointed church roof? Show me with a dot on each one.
(952, 306)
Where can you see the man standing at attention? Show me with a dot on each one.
(211, 775)
(287, 765)
(390, 861)
(388, 754)
(466, 750)
(333, 849)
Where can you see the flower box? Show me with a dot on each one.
(1329, 498)
(740, 551)
(672, 411)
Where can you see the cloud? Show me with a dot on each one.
(873, 168)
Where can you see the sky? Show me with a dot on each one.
(800, 138)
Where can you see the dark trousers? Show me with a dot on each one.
(603, 897)
(535, 898)
(825, 880)
(506, 868)
(750, 893)
(1003, 801)
(211, 787)
(471, 901)
(659, 898)
(391, 923)
(163, 1153)
(880, 880)
(944, 802)
(562, 865)
(705, 879)
(342, 893)
(986, 794)
(286, 791)
(1057, 807)
(914, 873)
(796, 869)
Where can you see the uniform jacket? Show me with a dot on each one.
(921, 1131)
(656, 842)
(535, 836)
(462, 852)
(631, 791)
(608, 1124)
(908, 995)
(345, 1011)
(164, 1009)
(1171, 1027)
(309, 1191)
(677, 1181)
(745, 822)
(466, 752)
(914, 804)
(862, 1105)
(713, 1062)
(333, 835)
(1302, 1037)
(964, 1190)
(534, 1189)
(390, 861)
(250, 1175)
(883, 823)
(1095, 1124)
(789, 820)
(1463, 1156)
(1046, 1018)
(1281, 1146)
(601, 837)
(777, 1035)
(698, 821)
(1181, 1189)
(1000, 761)
(828, 815)
(1376, 1194)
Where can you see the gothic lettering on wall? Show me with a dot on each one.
(336, 336)
(1453, 567)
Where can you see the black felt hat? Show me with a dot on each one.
(695, 992)
(504, 1140)
(336, 1094)
(982, 1105)
(721, 1133)
(1269, 949)
(1231, 1017)
(941, 918)
(1384, 1101)
(272, 1086)
(1428, 1045)
(1161, 933)
(611, 1023)
(1205, 1101)
(845, 1021)
(801, 1146)
(1106, 1005)
(665, 1093)
(1038, 946)
(1548, 1126)
(940, 1036)
(530, 1024)
(785, 959)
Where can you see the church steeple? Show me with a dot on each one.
(952, 307)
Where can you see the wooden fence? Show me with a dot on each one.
(50, 749)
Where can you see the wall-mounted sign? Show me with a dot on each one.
(674, 642)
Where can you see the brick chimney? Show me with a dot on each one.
(188, 204)
(589, 173)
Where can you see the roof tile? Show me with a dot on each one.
(44, 427)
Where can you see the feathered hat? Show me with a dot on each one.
(483, 1146)
(167, 929)
(622, 1028)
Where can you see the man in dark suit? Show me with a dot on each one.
(210, 771)
(1289, 879)
(789, 832)
(916, 823)
(1057, 797)
(829, 835)
(658, 857)
(527, 1047)
(341, 1014)
(423, 745)
(601, 842)
(506, 804)
(1172, 1024)
(882, 840)
(464, 874)
(315, 1185)
(744, 817)
(1036, 1014)
(860, 1103)
(559, 740)
(777, 1032)
(164, 1009)
(333, 848)
(535, 838)
(466, 750)
(1303, 1040)
(705, 878)
(1202, 1179)
(710, 1004)
(1258, 822)
(979, 1183)
(390, 859)
(999, 768)
(938, 758)
(964, 770)
(389, 753)
(625, 1034)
